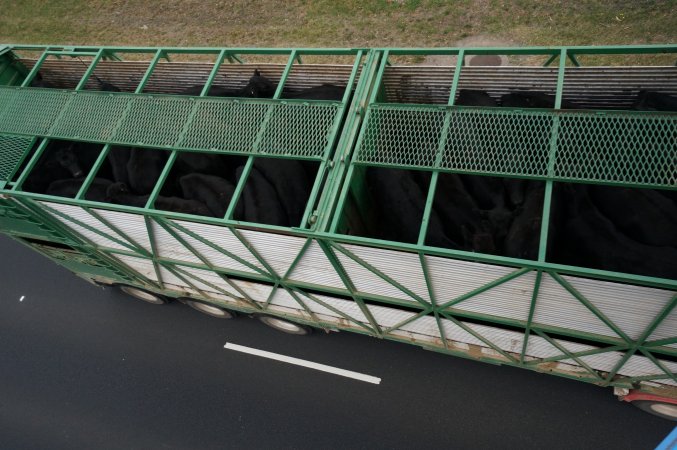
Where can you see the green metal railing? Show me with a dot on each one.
(634, 149)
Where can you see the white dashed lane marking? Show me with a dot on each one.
(304, 363)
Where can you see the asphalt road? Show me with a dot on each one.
(83, 367)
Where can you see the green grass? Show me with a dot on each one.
(335, 23)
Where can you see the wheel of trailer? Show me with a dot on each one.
(142, 294)
(211, 310)
(284, 325)
(658, 408)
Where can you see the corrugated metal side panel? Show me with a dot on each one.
(402, 267)
(348, 307)
(170, 278)
(388, 317)
(83, 216)
(451, 278)
(177, 75)
(256, 291)
(315, 268)
(133, 225)
(212, 278)
(601, 361)
(667, 329)
(540, 348)
(555, 306)
(143, 266)
(586, 86)
(300, 313)
(282, 298)
(168, 247)
(284, 303)
(575, 347)
(318, 308)
(277, 250)
(638, 366)
(426, 325)
(511, 299)
(631, 308)
(223, 238)
(510, 341)
(455, 333)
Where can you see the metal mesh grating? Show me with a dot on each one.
(638, 149)
(499, 142)
(406, 137)
(280, 128)
(12, 149)
(632, 148)
(246, 126)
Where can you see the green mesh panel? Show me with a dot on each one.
(500, 142)
(280, 128)
(12, 149)
(259, 126)
(638, 149)
(626, 148)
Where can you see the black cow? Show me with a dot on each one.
(400, 202)
(532, 99)
(120, 194)
(524, 235)
(39, 81)
(258, 86)
(191, 162)
(97, 191)
(473, 97)
(515, 190)
(655, 101)
(118, 158)
(288, 179)
(642, 214)
(324, 92)
(144, 168)
(58, 161)
(213, 191)
(105, 86)
(260, 203)
(460, 216)
(589, 239)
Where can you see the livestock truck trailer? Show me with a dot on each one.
(521, 214)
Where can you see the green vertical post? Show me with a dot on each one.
(374, 85)
(336, 127)
(250, 161)
(440, 149)
(36, 68)
(146, 76)
(93, 171)
(547, 198)
(215, 70)
(29, 167)
(90, 70)
(161, 181)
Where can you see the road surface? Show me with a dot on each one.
(83, 367)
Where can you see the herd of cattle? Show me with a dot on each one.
(611, 228)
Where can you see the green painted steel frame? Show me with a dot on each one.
(310, 213)
(540, 266)
(330, 203)
(329, 247)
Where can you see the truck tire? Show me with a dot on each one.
(142, 294)
(209, 309)
(657, 408)
(286, 326)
